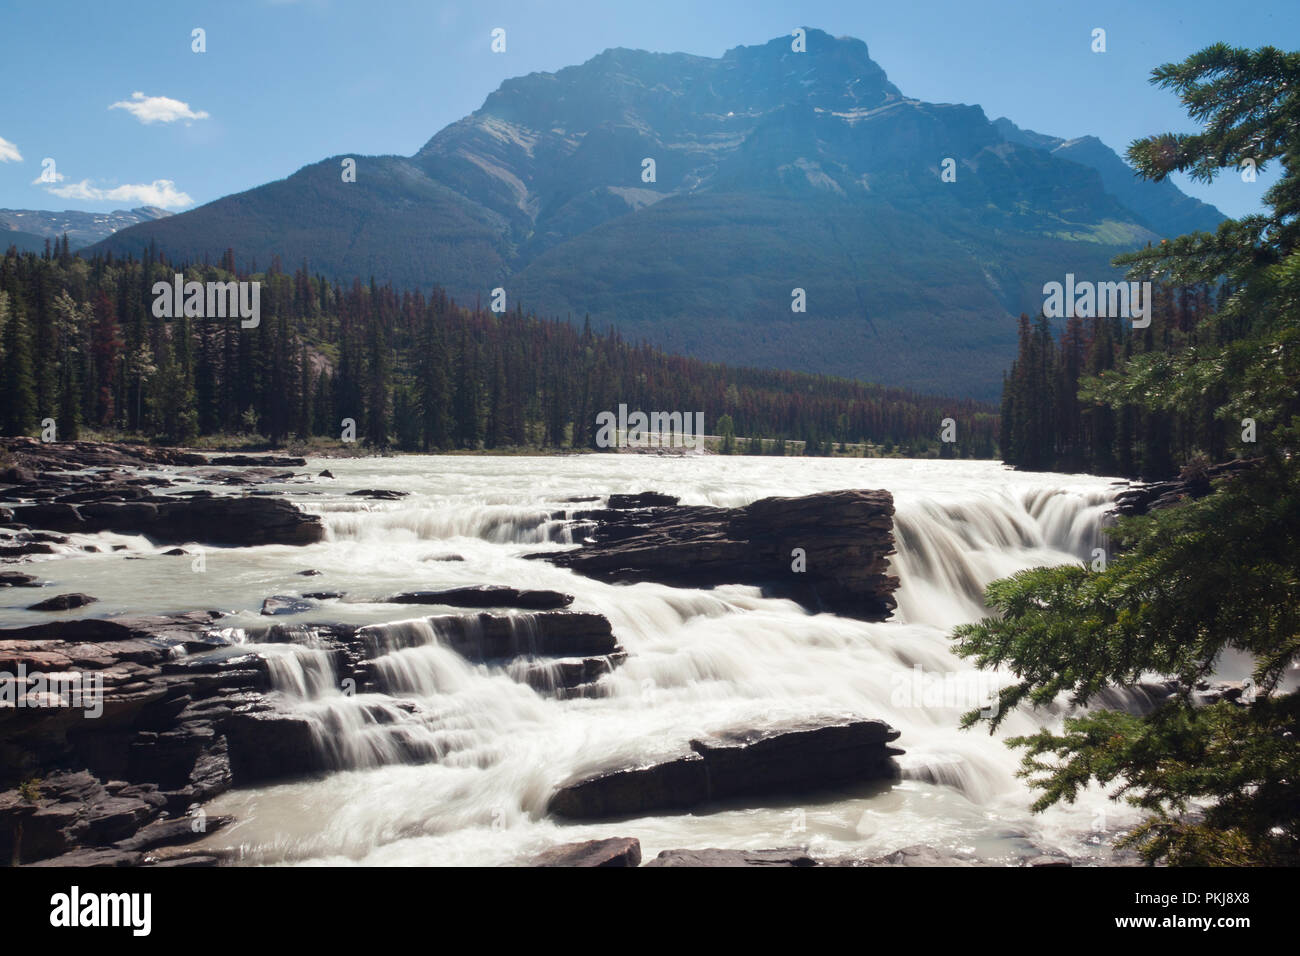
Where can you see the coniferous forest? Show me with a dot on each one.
(1051, 420)
(79, 344)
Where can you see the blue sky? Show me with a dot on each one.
(284, 83)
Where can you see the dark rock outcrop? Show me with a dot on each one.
(157, 729)
(644, 499)
(239, 522)
(270, 746)
(784, 760)
(488, 596)
(71, 818)
(488, 637)
(828, 551)
(1143, 498)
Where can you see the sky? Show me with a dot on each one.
(130, 114)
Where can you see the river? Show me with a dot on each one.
(698, 661)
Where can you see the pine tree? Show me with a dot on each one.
(727, 432)
(1214, 575)
(19, 415)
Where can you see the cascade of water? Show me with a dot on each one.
(490, 748)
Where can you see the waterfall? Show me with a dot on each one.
(948, 552)
(447, 758)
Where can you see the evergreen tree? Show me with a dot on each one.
(19, 414)
(727, 432)
(1212, 576)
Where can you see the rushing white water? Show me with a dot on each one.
(492, 749)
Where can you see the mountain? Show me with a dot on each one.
(24, 241)
(1161, 205)
(20, 226)
(775, 170)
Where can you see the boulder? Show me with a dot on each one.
(286, 604)
(617, 851)
(785, 760)
(922, 855)
(16, 579)
(63, 602)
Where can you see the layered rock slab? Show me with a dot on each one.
(789, 759)
(828, 551)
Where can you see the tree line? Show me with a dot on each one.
(1053, 420)
(79, 344)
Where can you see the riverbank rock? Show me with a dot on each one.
(34, 456)
(828, 551)
(1143, 498)
(787, 760)
(237, 522)
(138, 716)
(617, 851)
(263, 461)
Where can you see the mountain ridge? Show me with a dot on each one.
(83, 228)
(774, 170)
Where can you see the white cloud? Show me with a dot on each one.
(9, 152)
(58, 178)
(160, 192)
(157, 109)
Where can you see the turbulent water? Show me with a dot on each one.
(699, 661)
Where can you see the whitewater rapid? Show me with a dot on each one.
(698, 661)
